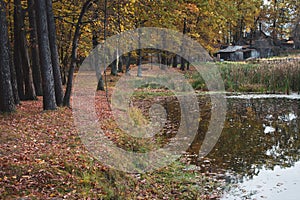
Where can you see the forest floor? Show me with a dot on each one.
(42, 157)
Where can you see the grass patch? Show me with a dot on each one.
(148, 94)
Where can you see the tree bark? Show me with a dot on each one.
(6, 92)
(14, 83)
(49, 102)
(68, 92)
(182, 65)
(17, 52)
(128, 60)
(27, 72)
(100, 85)
(59, 94)
(22, 50)
(120, 64)
(114, 67)
(35, 58)
(175, 62)
(139, 59)
(95, 42)
(120, 58)
(296, 33)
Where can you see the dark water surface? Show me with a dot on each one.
(258, 153)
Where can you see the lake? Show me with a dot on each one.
(258, 153)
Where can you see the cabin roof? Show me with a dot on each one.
(231, 49)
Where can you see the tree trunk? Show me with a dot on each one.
(182, 67)
(164, 61)
(14, 83)
(100, 85)
(35, 58)
(139, 63)
(21, 50)
(11, 62)
(49, 102)
(188, 61)
(120, 64)
(120, 58)
(139, 59)
(114, 67)
(27, 73)
(175, 63)
(68, 92)
(182, 64)
(296, 33)
(64, 69)
(188, 65)
(163, 54)
(95, 42)
(128, 64)
(6, 92)
(17, 52)
(59, 94)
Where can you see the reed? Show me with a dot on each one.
(265, 77)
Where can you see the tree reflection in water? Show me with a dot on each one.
(258, 134)
(244, 147)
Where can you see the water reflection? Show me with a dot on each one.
(260, 141)
(277, 184)
(261, 135)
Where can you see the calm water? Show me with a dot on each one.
(258, 152)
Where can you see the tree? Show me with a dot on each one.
(95, 37)
(296, 33)
(114, 64)
(128, 60)
(296, 24)
(35, 58)
(278, 16)
(22, 50)
(17, 52)
(68, 92)
(182, 60)
(49, 102)
(54, 55)
(14, 79)
(6, 91)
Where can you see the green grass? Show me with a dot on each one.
(146, 94)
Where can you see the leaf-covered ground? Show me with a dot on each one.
(42, 157)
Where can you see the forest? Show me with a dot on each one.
(43, 41)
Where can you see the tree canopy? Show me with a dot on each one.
(33, 36)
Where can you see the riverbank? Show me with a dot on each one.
(42, 157)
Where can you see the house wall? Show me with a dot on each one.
(225, 56)
(237, 56)
(255, 54)
(265, 52)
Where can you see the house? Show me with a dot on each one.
(237, 53)
(255, 45)
(265, 45)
